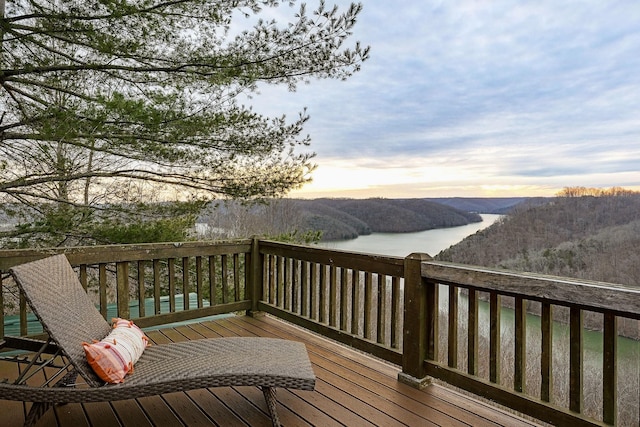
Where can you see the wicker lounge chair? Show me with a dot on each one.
(56, 296)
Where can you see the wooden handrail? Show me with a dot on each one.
(586, 294)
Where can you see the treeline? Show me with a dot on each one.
(585, 233)
(488, 205)
(333, 219)
(595, 192)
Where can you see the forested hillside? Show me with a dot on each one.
(590, 237)
(335, 218)
(348, 218)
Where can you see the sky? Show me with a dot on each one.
(467, 98)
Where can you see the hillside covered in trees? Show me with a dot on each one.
(580, 234)
(348, 218)
(334, 219)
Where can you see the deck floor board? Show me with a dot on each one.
(353, 389)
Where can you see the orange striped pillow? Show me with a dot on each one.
(113, 357)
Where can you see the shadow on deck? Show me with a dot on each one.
(352, 389)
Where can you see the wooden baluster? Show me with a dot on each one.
(494, 337)
(313, 310)
(295, 291)
(520, 332)
(432, 311)
(199, 280)
(236, 277)
(225, 278)
(213, 297)
(305, 302)
(271, 266)
(286, 281)
(381, 335)
(355, 302)
(575, 359)
(245, 287)
(141, 290)
(185, 283)
(333, 295)
(322, 300)
(280, 285)
(171, 268)
(368, 284)
(452, 343)
(102, 284)
(609, 369)
(395, 312)
(255, 286)
(546, 360)
(472, 332)
(157, 288)
(83, 276)
(344, 296)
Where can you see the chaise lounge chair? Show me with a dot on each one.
(56, 296)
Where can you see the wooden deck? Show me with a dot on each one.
(352, 390)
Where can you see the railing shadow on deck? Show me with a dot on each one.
(434, 319)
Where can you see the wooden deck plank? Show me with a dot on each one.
(210, 404)
(353, 389)
(385, 384)
(159, 413)
(390, 399)
(130, 410)
(439, 398)
(356, 396)
(71, 414)
(51, 419)
(287, 416)
(344, 398)
(15, 409)
(311, 413)
(341, 414)
(240, 407)
(100, 414)
(188, 412)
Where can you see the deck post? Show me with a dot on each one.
(254, 287)
(415, 330)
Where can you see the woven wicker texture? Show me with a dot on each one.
(262, 362)
(56, 296)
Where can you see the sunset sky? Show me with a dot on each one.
(478, 98)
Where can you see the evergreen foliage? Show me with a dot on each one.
(111, 105)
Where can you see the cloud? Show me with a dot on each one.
(511, 90)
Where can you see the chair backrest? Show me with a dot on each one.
(57, 298)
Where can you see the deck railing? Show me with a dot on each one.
(353, 298)
(530, 386)
(434, 319)
(151, 283)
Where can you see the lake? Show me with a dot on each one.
(402, 244)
